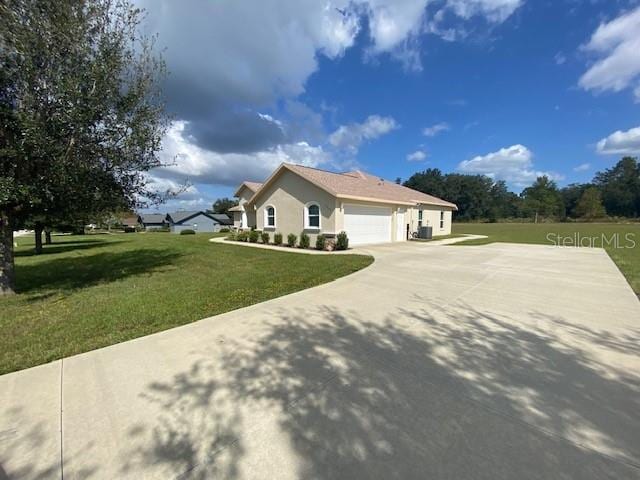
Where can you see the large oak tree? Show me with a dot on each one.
(81, 115)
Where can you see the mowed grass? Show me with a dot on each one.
(87, 292)
(621, 241)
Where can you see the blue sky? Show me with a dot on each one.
(508, 88)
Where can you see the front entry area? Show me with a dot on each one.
(367, 224)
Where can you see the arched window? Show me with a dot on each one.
(270, 217)
(312, 215)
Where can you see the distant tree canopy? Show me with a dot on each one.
(222, 205)
(615, 192)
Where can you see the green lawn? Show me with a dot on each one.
(87, 292)
(626, 253)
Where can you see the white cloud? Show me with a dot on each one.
(621, 143)
(560, 58)
(617, 44)
(197, 165)
(350, 137)
(416, 156)
(583, 167)
(434, 130)
(495, 11)
(513, 164)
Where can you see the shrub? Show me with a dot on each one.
(242, 236)
(232, 236)
(291, 240)
(321, 242)
(253, 236)
(304, 240)
(277, 239)
(187, 231)
(225, 230)
(342, 241)
(264, 236)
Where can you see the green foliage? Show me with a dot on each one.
(81, 111)
(242, 236)
(291, 240)
(277, 238)
(222, 205)
(264, 236)
(543, 199)
(187, 231)
(620, 187)
(342, 241)
(232, 236)
(304, 241)
(253, 236)
(590, 204)
(321, 242)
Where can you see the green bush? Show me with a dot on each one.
(291, 240)
(187, 231)
(264, 236)
(342, 241)
(253, 236)
(321, 242)
(304, 240)
(242, 236)
(224, 230)
(277, 239)
(232, 236)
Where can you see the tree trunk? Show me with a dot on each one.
(47, 235)
(38, 233)
(7, 270)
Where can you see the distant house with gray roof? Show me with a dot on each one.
(152, 221)
(196, 220)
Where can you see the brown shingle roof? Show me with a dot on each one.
(253, 186)
(363, 186)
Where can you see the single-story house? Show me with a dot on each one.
(196, 220)
(152, 221)
(244, 218)
(131, 222)
(369, 209)
(222, 218)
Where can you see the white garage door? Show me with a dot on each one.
(366, 224)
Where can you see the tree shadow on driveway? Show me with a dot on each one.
(324, 393)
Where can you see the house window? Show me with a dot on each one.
(441, 219)
(270, 217)
(312, 215)
(419, 218)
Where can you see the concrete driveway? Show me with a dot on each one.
(439, 362)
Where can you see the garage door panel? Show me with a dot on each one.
(367, 224)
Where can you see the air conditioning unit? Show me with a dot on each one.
(425, 232)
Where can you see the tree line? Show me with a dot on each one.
(614, 192)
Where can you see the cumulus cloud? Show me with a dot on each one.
(434, 130)
(513, 164)
(193, 164)
(616, 44)
(350, 137)
(621, 143)
(417, 156)
(583, 167)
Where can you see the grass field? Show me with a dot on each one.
(621, 241)
(86, 292)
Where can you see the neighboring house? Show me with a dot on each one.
(152, 221)
(222, 218)
(244, 218)
(131, 222)
(297, 199)
(196, 220)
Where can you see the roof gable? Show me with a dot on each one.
(251, 186)
(356, 185)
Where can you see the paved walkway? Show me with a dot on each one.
(448, 362)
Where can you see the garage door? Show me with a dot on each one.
(366, 224)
